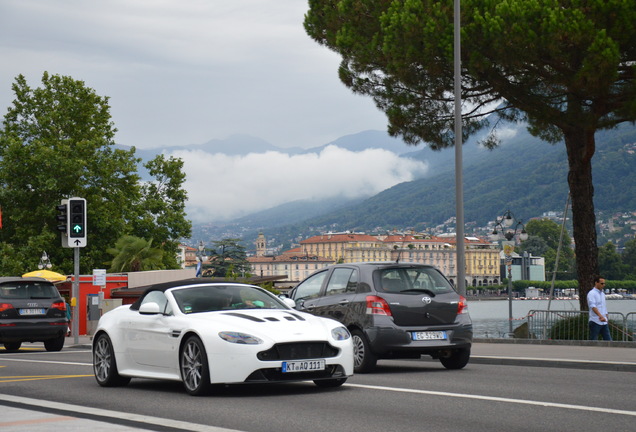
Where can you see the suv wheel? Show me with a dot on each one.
(455, 359)
(363, 359)
(12, 346)
(55, 344)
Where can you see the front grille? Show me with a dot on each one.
(276, 375)
(298, 351)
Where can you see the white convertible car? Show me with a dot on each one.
(206, 333)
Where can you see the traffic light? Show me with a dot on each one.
(62, 217)
(76, 222)
(72, 222)
(77, 218)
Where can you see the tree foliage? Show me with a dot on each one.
(57, 142)
(228, 258)
(162, 207)
(566, 68)
(133, 254)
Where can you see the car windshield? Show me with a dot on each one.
(208, 298)
(413, 280)
(28, 290)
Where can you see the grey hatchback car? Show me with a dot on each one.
(393, 310)
(31, 310)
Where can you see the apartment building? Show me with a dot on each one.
(346, 247)
(293, 263)
(482, 256)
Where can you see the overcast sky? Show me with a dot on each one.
(181, 72)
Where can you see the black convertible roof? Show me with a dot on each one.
(163, 286)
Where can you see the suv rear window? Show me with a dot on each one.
(28, 290)
(415, 279)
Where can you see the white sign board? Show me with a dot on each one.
(99, 277)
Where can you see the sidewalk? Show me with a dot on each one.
(588, 355)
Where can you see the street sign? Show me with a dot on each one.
(99, 277)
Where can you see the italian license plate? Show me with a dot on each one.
(304, 365)
(429, 335)
(32, 312)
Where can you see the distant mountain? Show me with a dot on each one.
(370, 139)
(524, 175)
(294, 212)
(241, 145)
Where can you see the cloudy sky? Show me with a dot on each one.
(182, 72)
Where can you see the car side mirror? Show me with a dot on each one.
(150, 308)
(289, 302)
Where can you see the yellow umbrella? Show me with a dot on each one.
(49, 275)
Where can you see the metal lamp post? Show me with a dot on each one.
(504, 224)
(45, 262)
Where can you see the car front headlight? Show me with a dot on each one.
(239, 338)
(340, 333)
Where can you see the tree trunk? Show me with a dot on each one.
(580, 145)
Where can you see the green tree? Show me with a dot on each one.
(535, 245)
(565, 68)
(628, 258)
(549, 233)
(162, 207)
(228, 258)
(609, 262)
(133, 254)
(57, 142)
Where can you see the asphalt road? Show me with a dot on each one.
(401, 396)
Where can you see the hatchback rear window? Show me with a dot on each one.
(412, 280)
(28, 290)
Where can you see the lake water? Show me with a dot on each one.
(490, 317)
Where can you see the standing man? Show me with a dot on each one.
(598, 310)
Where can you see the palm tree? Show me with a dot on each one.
(133, 254)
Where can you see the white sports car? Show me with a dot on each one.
(205, 333)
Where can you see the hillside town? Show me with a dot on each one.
(483, 257)
(434, 246)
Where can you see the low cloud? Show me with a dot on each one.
(222, 187)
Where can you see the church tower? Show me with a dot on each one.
(261, 245)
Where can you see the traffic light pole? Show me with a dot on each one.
(76, 260)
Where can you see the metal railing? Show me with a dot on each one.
(573, 325)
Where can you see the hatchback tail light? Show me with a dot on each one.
(5, 306)
(462, 306)
(377, 306)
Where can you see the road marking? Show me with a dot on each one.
(38, 377)
(497, 399)
(45, 361)
(553, 360)
(107, 414)
(36, 421)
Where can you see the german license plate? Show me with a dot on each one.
(429, 335)
(304, 365)
(32, 312)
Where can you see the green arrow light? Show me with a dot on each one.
(77, 229)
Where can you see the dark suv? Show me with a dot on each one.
(392, 310)
(31, 310)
